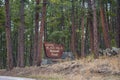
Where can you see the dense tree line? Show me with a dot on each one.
(82, 26)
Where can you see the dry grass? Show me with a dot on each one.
(48, 77)
(104, 68)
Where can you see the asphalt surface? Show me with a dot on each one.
(14, 78)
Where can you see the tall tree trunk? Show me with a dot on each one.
(83, 38)
(73, 31)
(95, 29)
(21, 36)
(83, 34)
(90, 25)
(8, 36)
(118, 23)
(104, 27)
(39, 56)
(36, 33)
(77, 34)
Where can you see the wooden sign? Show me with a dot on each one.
(53, 50)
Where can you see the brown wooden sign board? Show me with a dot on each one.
(53, 50)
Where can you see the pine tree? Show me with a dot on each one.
(95, 29)
(36, 33)
(8, 36)
(21, 31)
(39, 56)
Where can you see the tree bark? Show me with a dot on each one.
(95, 29)
(83, 34)
(90, 25)
(21, 31)
(104, 27)
(73, 31)
(83, 38)
(36, 33)
(118, 23)
(8, 36)
(39, 56)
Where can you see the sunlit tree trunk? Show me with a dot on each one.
(39, 56)
(21, 31)
(8, 36)
(104, 27)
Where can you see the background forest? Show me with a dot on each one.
(82, 26)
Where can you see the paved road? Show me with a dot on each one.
(14, 78)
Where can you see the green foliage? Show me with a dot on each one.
(57, 37)
(55, 1)
(112, 2)
(110, 13)
(1, 3)
(2, 38)
(113, 43)
(2, 17)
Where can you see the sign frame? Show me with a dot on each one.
(53, 50)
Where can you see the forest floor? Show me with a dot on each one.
(104, 68)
